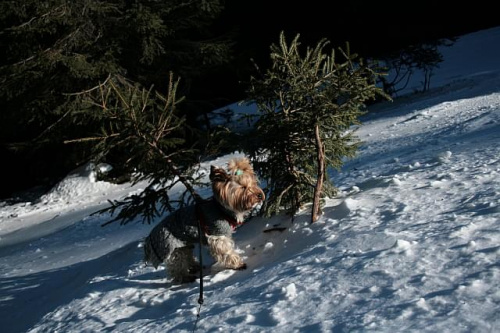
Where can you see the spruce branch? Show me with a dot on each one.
(146, 127)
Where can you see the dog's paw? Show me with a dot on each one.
(241, 267)
(184, 279)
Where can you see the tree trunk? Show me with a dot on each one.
(321, 174)
(294, 190)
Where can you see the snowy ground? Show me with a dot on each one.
(412, 243)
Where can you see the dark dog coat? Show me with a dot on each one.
(180, 229)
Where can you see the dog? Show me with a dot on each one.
(235, 194)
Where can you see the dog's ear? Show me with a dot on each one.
(218, 174)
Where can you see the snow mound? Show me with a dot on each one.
(80, 184)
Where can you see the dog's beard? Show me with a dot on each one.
(238, 199)
(255, 209)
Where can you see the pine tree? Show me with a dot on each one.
(149, 133)
(51, 49)
(308, 105)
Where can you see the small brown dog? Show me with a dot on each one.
(235, 194)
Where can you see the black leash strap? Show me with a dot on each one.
(200, 298)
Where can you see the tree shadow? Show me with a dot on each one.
(34, 295)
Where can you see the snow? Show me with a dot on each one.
(411, 244)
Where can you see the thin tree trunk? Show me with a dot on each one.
(321, 174)
(296, 194)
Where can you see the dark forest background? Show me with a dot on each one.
(208, 44)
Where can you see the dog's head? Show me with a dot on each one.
(236, 189)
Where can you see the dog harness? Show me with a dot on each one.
(201, 218)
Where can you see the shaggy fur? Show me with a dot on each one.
(235, 194)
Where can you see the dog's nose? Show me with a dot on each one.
(260, 196)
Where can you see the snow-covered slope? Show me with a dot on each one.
(411, 244)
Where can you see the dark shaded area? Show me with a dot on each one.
(373, 29)
(45, 291)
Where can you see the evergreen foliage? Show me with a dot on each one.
(51, 49)
(150, 128)
(308, 104)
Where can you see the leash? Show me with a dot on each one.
(200, 236)
(200, 299)
(202, 227)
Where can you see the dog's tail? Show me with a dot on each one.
(151, 256)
